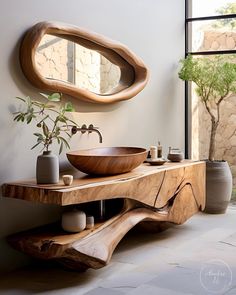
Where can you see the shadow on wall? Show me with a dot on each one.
(18, 259)
(16, 216)
(26, 89)
(17, 162)
(169, 104)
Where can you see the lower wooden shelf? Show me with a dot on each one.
(93, 248)
(170, 196)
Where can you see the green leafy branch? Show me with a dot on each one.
(53, 123)
(229, 23)
(215, 79)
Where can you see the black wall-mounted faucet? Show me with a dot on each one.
(83, 129)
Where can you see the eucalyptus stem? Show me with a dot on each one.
(41, 112)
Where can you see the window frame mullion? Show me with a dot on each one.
(189, 20)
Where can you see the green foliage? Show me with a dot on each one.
(214, 76)
(52, 123)
(229, 8)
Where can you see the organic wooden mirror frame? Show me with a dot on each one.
(134, 74)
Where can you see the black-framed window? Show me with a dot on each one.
(218, 19)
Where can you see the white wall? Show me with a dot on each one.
(153, 29)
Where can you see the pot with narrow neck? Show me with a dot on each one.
(47, 168)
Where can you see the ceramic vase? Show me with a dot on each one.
(47, 168)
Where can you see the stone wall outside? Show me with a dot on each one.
(226, 133)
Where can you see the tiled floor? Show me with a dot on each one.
(198, 257)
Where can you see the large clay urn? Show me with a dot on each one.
(218, 186)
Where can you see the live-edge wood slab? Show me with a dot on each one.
(169, 193)
(140, 184)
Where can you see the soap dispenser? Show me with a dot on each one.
(159, 150)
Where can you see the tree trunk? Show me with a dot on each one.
(214, 126)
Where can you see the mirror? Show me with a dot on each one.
(62, 58)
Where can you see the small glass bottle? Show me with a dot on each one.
(159, 150)
(89, 222)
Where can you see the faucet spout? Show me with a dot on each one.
(95, 129)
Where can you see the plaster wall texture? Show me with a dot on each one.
(154, 30)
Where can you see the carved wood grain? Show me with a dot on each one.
(94, 248)
(134, 74)
(147, 184)
(177, 179)
(170, 195)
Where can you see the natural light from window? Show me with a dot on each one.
(214, 36)
(207, 7)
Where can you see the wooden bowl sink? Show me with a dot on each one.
(107, 161)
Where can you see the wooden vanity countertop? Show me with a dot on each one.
(84, 187)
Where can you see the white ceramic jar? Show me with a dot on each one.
(67, 179)
(73, 221)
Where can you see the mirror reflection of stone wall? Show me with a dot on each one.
(60, 59)
(54, 58)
